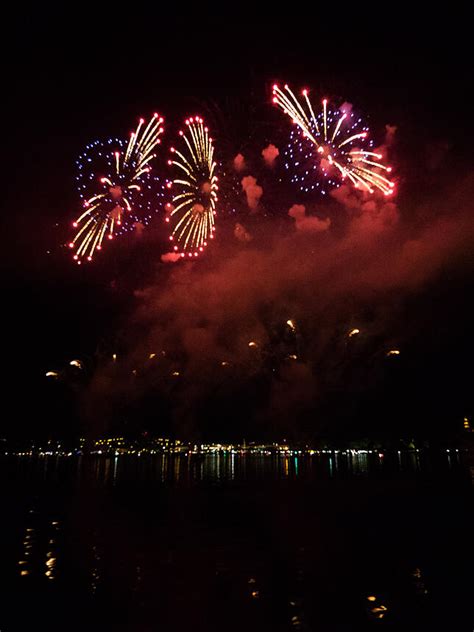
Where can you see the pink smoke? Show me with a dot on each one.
(239, 162)
(253, 192)
(170, 257)
(242, 234)
(270, 154)
(305, 222)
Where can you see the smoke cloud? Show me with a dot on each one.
(138, 229)
(226, 359)
(242, 234)
(270, 154)
(253, 192)
(304, 222)
(390, 131)
(346, 108)
(239, 162)
(170, 257)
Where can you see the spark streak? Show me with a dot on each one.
(194, 190)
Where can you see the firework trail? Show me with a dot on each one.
(128, 191)
(329, 147)
(193, 208)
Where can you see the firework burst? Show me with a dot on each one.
(117, 187)
(328, 147)
(193, 208)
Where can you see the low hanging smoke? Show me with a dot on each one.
(256, 336)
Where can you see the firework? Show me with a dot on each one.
(117, 187)
(193, 208)
(330, 147)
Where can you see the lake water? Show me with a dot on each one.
(244, 543)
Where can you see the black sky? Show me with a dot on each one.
(73, 77)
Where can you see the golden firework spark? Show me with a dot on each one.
(193, 208)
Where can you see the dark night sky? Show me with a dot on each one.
(71, 78)
(77, 76)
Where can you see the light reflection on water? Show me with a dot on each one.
(322, 542)
(228, 467)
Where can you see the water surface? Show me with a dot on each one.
(174, 543)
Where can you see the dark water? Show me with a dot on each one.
(236, 543)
